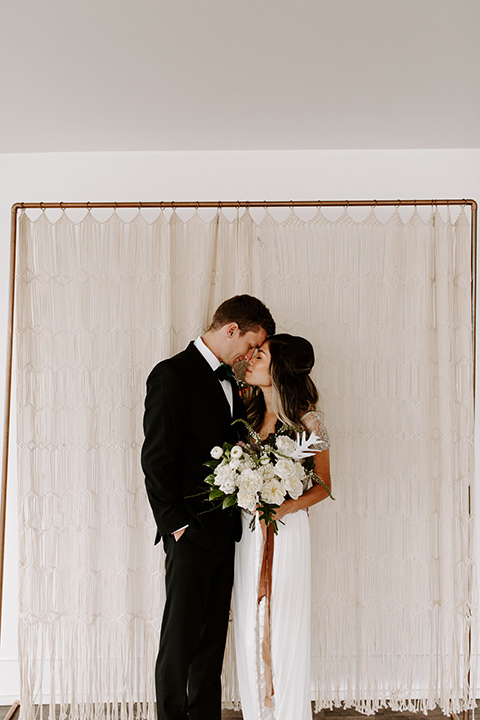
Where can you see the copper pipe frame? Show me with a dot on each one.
(467, 715)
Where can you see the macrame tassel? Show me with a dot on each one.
(230, 695)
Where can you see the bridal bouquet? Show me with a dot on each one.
(260, 475)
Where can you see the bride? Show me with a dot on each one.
(272, 628)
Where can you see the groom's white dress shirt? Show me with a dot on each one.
(215, 363)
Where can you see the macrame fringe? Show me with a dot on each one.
(230, 694)
(94, 670)
(387, 307)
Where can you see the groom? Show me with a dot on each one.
(189, 408)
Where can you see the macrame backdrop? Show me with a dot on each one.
(387, 306)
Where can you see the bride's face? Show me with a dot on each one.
(258, 369)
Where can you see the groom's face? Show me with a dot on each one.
(241, 347)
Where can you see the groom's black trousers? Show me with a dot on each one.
(194, 627)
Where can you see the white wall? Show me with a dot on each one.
(299, 175)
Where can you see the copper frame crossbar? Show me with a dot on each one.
(195, 205)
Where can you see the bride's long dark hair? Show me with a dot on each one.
(293, 390)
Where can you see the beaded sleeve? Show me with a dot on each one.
(313, 421)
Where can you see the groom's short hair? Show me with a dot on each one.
(247, 311)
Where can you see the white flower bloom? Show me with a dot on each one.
(224, 475)
(246, 500)
(294, 487)
(216, 452)
(264, 460)
(250, 481)
(285, 468)
(246, 463)
(286, 445)
(300, 473)
(236, 452)
(273, 492)
(267, 471)
(235, 463)
(292, 481)
(228, 485)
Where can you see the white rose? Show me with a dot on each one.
(267, 471)
(294, 488)
(228, 485)
(285, 468)
(246, 500)
(250, 481)
(286, 445)
(236, 452)
(246, 463)
(235, 463)
(216, 452)
(224, 475)
(273, 492)
(299, 473)
(293, 482)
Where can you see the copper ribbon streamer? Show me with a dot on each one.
(265, 591)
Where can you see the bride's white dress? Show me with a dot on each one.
(290, 613)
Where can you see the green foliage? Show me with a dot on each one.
(251, 431)
(317, 479)
(229, 500)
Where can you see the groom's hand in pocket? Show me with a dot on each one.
(178, 534)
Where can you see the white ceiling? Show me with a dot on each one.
(112, 75)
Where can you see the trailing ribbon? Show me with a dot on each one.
(265, 591)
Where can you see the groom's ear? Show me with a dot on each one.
(230, 329)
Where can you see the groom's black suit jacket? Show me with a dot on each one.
(186, 415)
